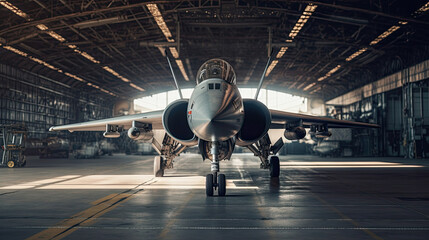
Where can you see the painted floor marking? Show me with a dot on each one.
(90, 215)
(84, 218)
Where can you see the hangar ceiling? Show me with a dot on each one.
(319, 48)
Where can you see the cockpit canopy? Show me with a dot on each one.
(216, 68)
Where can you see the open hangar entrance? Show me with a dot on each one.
(65, 62)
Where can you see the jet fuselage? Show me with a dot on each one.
(215, 110)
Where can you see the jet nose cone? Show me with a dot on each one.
(208, 118)
(213, 124)
(215, 113)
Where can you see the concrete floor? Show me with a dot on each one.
(315, 198)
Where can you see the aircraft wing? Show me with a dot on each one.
(280, 118)
(154, 118)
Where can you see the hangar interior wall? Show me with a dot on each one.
(40, 102)
(402, 112)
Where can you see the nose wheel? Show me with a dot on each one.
(214, 182)
(221, 191)
(209, 185)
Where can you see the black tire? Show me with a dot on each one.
(274, 166)
(221, 185)
(157, 166)
(209, 185)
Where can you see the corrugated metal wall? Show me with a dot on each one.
(400, 105)
(412, 74)
(39, 102)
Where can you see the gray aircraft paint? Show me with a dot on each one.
(215, 110)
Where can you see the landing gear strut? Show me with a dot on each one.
(169, 149)
(263, 150)
(214, 180)
(158, 163)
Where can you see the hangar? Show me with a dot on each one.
(359, 68)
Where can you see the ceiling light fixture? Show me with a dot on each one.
(309, 86)
(423, 9)
(356, 54)
(281, 52)
(382, 36)
(74, 76)
(271, 67)
(56, 36)
(394, 28)
(87, 56)
(15, 10)
(12, 49)
(316, 90)
(174, 52)
(308, 11)
(114, 73)
(42, 27)
(182, 69)
(328, 74)
(41, 62)
(136, 87)
(154, 10)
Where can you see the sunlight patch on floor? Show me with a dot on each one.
(127, 182)
(334, 164)
(40, 182)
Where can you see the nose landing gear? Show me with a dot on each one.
(214, 180)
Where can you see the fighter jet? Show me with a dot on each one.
(216, 118)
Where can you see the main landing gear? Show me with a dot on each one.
(265, 152)
(214, 180)
(274, 166)
(158, 166)
(167, 152)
